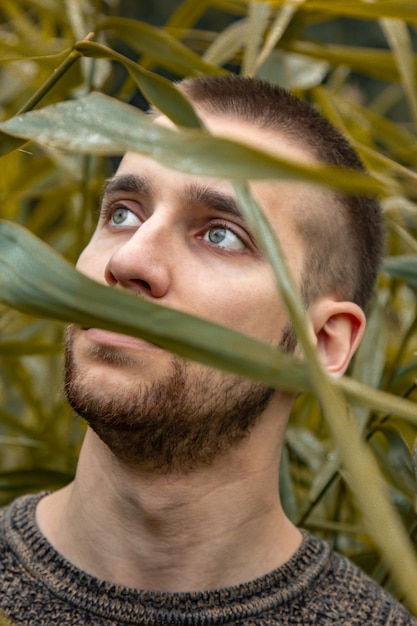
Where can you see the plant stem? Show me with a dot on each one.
(40, 93)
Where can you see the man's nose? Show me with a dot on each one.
(142, 263)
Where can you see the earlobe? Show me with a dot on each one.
(338, 327)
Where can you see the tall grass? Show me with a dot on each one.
(349, 465)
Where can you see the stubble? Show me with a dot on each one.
(184, 420)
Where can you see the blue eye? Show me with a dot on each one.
(224, 238)
(124, 217)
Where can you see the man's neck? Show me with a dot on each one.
(211, 528)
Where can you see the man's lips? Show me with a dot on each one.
(116, 340)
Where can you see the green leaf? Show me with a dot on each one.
(286, 487)
(157, 43)
(414, 459)
(276, 31)
(23, 442)
(293, 71)
(15, 423)
(378, 400)
(399, 39)
(8, 143)
(360, 9)
(397, 138)
(400, 459)
(188, 13)
(307, 447)
(404, 267)
(37, 281)
(258, 16)
(228, 42)
(368, 365)
(371, 62)
(97, 124)
(157, 89)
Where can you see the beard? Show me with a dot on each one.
(186, 419)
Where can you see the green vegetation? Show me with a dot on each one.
(350, 467)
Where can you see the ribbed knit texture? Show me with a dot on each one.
(38, 587)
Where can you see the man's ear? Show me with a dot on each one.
(338, 329)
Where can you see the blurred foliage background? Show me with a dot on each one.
(356, 62)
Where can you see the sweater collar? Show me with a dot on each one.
(122, 604)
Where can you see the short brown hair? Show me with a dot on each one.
(344, 241)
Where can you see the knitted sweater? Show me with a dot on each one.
(38, 587)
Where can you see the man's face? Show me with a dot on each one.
(180, 241)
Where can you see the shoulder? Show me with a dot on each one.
(345, 590)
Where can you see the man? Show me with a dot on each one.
(174, 516)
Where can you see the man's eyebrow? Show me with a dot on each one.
(128, 182)
(195, 193)
(214, 199)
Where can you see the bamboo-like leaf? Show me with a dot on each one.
(323, 480)
(406, 11)
(414, 459)
(272, 249)
(157, 43)
(286, 487)
(400, 459)
(371, 62)
(258, 17)
(366, 133)
(58, 73)
(35, 280)
(353, 389)
(402, 233)
(228, 42)
(22, 442)
(188, 13)
(9, 143)
(58, 293)
(308, 448)
(293, 71)
(397, 138)
(378, 400)
(26, 28)
(404, 267)
(280, 23)
(185, 16)
(76, 17)
(398, 37)
(97, 124)
(378, 512)
(369, 360)
(157, 89)
(406, 371)
(10, 421)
